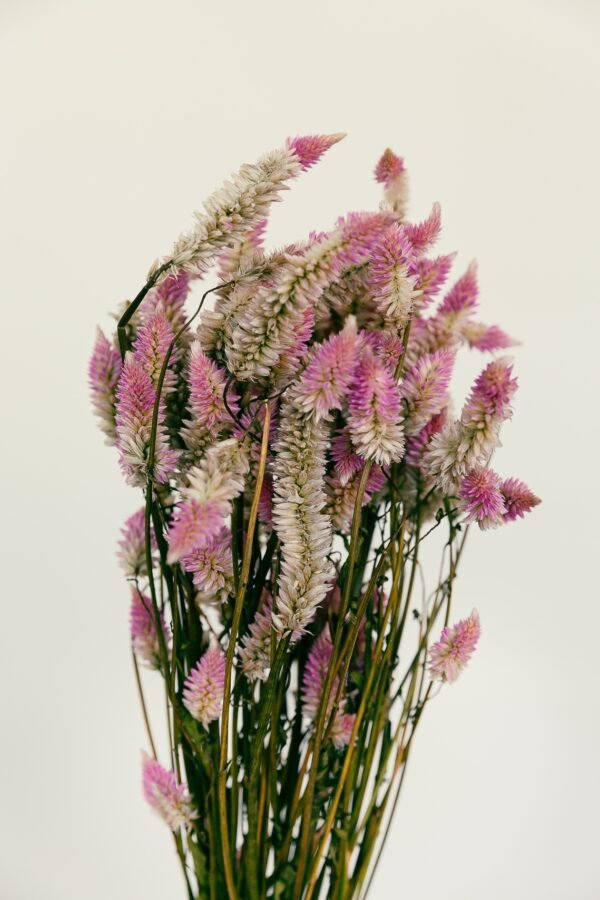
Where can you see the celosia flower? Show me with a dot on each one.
(375, 420)
(481, 498)
(327, 377)
(169, 296)
(165, 795)
(417, 444)
(430, 276)
(206, 384)
(236, 208)
(310, 148)
(449, 655)
(256, 650)
(425, 388)
(386, 346)
(347, 461)
(461, 300)
(313, 681)
(267, 324)
(518, 499)
(212, 486)
(486, 337)
(390, 172)
(212, 568)
(423, 235)
(135, 406)
(103, 375)
(467, 443)
(242, 254)
(303, 529)
(390, 282)
(204, 686)
(151, 346)
(144, 634)
(132, 545)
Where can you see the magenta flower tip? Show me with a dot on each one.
(482, 498)
(518, 499)
(204, 687)
(166, 795)
(449, 656)
(388, 168)
(310, 148)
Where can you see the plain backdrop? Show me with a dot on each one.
(118, 117)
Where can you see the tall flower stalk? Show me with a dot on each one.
(295, 447)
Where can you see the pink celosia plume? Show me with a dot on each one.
(203, 688)
(449, 655)
(166, 795)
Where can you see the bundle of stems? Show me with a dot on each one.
(295, 452)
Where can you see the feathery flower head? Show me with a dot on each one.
(132, 545)
(389, 167)
(144, 634)
(375, 420)
(236, 259)
(341, 496)
(206, 382)
(486, 338)
(310, 148)
(151, 345)
(481, 498)
(304, 530)
(212, 568)
(425, 388)
(204, 686)
(449, 656)
(491, 394)
(212, 485)
(461, 299)
(165, 795)
(234, 209)
(423, 235)
(256, 650)
(430, 276)
(313, 681)
(386, 346)
(390, 282)
(169, 296)
(103, 375)
(347, 461)
(518, 499)
(327, 377)
(135, 407)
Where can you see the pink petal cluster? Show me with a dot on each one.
(144, 633)
(328, 375)
(135, 407)
(212, 568)
(152, 345)
(518, 499)
(310, 148)
(486, 338)
(166, 796)
(451, 653)
(208, 413)
(132, 545)
(390, 172)
(204, 686)
(375, 419)
(390, 281)
(313, 681)
(425, 388)
(103, 375)
(481, 498)
(430, 276)
(423, 235)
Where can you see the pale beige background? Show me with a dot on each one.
(118, 117)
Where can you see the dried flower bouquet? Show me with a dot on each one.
(295, 446)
